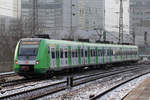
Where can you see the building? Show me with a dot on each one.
(140, 21)
(112, 12)
(65, 18)
(46, 14)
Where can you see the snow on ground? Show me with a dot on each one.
(83, 92)
(28, 86)
(123, 90)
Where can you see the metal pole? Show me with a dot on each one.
(145, 38)
(133, 36)
(121, 23)
(35, 16)
(71, 35)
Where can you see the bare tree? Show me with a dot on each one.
(17, 29)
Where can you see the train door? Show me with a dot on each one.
(93, 60)
(82, 55)
(106, 54)
(85, 55)
(73, 55)
(53, 57)
(113, 54)
(65, 56)
(62, 56)
(100, 51)
(76, 55)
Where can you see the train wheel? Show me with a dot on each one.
(49, 74)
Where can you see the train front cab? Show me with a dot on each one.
(27, 57)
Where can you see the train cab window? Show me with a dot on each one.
(61, 53)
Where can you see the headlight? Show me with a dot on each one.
(37, 62)
(16, 62)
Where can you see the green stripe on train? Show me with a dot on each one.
(57, 56)
(96, 55)
(79, 55)
(103, 60)
(69, 56)
(89, 59)
(121, 55)
(110, 57)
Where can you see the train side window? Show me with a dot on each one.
(66, 54)
(86, 54)
(99, 52)
(48, 50)
(91, 53)
(73, 54)
(53, 54)
(82, 54)
(61, 53)
(94, 53)
(76, 53)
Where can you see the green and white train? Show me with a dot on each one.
(42, 56)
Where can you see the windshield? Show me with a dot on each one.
(28, 49)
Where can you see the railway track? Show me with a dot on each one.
(14, 83)
(59, 86)
(98, 96)
(8, 74)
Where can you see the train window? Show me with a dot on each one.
(103, 52)
(86, 54)
(73, 54)
(53, 54)
(76, 53)
(61, 53)
(82, 53)
(48, 50)
(99, 52)
(66, 54)
(107, 52)
(91, 53)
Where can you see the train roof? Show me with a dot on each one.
(76, 42)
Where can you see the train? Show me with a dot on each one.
(38, 56)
